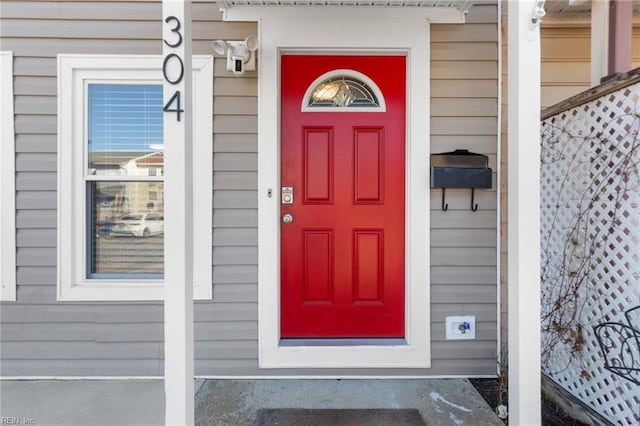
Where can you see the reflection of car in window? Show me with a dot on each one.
(139, 225)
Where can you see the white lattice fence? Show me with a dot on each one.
(590, 223)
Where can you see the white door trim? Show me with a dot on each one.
(290, 32)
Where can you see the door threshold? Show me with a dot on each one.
(380, 341)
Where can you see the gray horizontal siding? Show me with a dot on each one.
(36, 275)
(464, 109)
(466, 256)
(27, 105)
(460, 199)
(39, 181)
(79, 350)
(441, 274)
(117, 29)
(231, 237)
(235, 255)
(238, 292)
(465, 51)
(41, 336)
(235, 274)
(464, 88)
(36, 143)
(475, 32)
(462, 219)
(81, 367)
(235, 180)
(91, 10)
(240, 142)
(464, 126)
(51, 47)
(237, 218)
(236, 199)
(482, 143)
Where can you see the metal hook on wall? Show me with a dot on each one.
(474, 207)
(445, 207)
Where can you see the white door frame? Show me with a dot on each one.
(346, 31)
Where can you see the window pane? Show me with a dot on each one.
(125, 130)
(127, 228)
(342, 91)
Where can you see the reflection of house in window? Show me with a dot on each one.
(146, 165)
(112, 199)
(152, 201)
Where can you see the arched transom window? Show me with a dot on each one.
(343, 90)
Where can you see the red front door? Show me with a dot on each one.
(342, 255)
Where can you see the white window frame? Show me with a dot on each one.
(7, 182)
(333, 30)
(75, 72)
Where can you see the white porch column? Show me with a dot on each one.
(599, 40)
(178, 213)
(524, 213)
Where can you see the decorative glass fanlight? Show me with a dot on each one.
(342, 91)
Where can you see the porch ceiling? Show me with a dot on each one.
(461, 5)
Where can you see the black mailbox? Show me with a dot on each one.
(460, 169)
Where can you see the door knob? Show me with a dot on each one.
(287, 218)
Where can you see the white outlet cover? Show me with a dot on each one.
(461, 327)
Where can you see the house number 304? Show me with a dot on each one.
(173, 104)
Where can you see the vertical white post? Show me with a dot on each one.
(7, 181)
(524, 213)
(599, 40)
(178, 200)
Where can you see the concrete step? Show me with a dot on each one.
(324, 401)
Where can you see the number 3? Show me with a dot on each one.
(176, 30)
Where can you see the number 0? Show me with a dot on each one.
(164, 68)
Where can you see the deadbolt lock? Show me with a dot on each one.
(287, 195)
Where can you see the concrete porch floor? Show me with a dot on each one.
(246, 402)
(439, 401)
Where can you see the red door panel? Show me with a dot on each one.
(342, 257)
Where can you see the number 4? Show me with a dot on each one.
(175, 99)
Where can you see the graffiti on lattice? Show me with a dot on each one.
(620, 345)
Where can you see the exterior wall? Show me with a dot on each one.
(42, 337)
(504, 176)
(464, 109)
(566, 56)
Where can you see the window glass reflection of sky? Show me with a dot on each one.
(125, 117)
